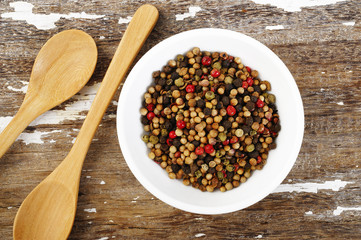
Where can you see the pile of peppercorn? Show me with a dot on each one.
(209, 120)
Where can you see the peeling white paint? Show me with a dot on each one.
(258, 236)
(309, 213)
(111, 221)
(101, 37)
(276, 27)
(124, 20)
(199, 219)
(349, 23)
(115, 103)
(102, 182)
(340, 103)
(22, 89)
(322, 89)
(200, 235)
(323, 72)
(339, 210)
(104, 238)
(136, 198)
(191, 13)
(105, 202)
(90, 210)
(35, 137)
(4, 121)
(90, 222)
(138, 216)
(88, 176)
(311, 187)
(296, 5)
(10, 208)
(23, 11)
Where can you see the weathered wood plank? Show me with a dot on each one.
(320, 46)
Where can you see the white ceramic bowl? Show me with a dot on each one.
(261, 183)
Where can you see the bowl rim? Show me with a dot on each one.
(175, 202)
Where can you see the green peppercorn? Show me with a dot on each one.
(153, 139)
(164, 132)
(220, 175)
(271, 98)
(209, 95)
(179, 82)
(222, 136)
(180, 58)
(230, 168)
(145, 138)
(250, 148)
(198, 174)
(217, 65)
(228, 80)
(253, 132)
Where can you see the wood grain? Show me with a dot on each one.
(321, 52)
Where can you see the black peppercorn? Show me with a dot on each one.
(237, 83)
(174, 75)
(207, 111)
(225, 100)
(144, 120)
(201, 103)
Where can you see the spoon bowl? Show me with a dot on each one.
(58, 223)
(62, 67)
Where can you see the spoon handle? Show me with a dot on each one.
(133, 39)
(20, 121)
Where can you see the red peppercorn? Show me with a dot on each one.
(249, 81)
(244, 84)
(181, 124)
(260, 103)
(199, 151)
(234, 139)
(172, 134)
(150, 116)
(190, 88)
(225, 142)
(177, 154)
(209, 148)
(206, 60)
(248, 69)
(231, 110)
(236, 167)
(204, 76)
(259, 159)
(150, 107)
(169, 141)
(215, 72)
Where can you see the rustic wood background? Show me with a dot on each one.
(320, 198)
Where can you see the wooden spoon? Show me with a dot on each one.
(48, 211)
(63, 66)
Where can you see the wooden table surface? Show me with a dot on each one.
(319, 41)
